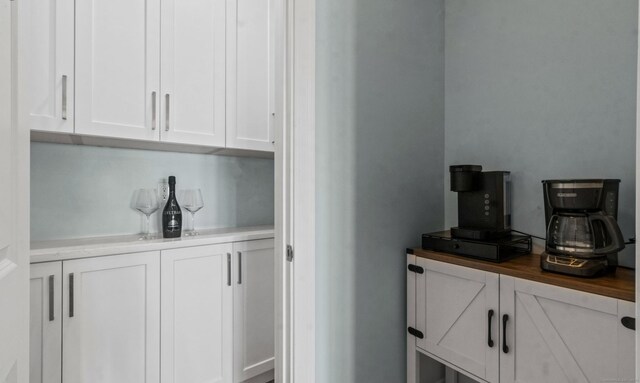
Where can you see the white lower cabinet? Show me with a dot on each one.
(561, 335)
(497, 328)
(111, 319)
(197, 315)
(109, 328)
(453, 307)
(254, 309)
(102, 320)
(45, 354)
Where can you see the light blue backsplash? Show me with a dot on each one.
(85, 191)
(545, 89)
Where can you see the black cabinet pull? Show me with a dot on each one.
(418, 334)
(416, 269)
(228, 269)
(51, 302)
(505, 319)
(71, 308)
(239, 267)
(629, 322)
(489, 340)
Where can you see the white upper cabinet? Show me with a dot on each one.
(196, 72)
(251, 90)
(117, 68)
(197, 315)
(193, 72)
(46, 59)
(254, 309)
(111, 319)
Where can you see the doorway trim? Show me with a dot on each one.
(295, 197)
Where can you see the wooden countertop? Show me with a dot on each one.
(620, 285)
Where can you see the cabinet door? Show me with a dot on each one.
(193, 72)
(254, 309)
(46, 65)
(453, 306)
(197, 315)
(45, 343)
(253, 26)
(626, 343)
(111, 325)
(560, 335)
(118, 68)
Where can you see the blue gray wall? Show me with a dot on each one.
(380, 138)
(84, 191)
(546, 89)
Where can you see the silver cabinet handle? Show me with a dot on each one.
(167, 111)
(71, 296)
(228, 269)
(64, 96)
(51, 287)
(239, 267)
(153, 111)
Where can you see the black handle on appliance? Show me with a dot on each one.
(489, 340)
(71, 308)
(505, 319)
(629, 322)
(612, 227)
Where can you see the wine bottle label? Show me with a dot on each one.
(173, 225)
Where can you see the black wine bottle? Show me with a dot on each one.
(172, 215)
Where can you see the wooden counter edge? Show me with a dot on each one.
(620, 285)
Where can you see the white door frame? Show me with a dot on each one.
(295, 198)
(14, 246)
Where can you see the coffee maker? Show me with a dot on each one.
(484, 202)
(583, 237)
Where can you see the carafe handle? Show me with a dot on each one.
(617, 241)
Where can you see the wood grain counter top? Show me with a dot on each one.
(620, 285)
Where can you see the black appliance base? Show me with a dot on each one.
(478, 234)
(494, 250)
(579, 267)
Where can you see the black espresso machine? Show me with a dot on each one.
(484, 217)
(583, 237)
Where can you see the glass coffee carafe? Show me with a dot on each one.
(584, 235)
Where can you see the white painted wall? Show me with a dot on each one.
(380, 72)
(84, 191)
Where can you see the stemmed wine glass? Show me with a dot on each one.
(191, 200)
(146, 202)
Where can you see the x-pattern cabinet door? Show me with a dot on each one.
(457, 311)
(559, 335)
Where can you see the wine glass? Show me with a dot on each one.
(191, 200)
(146, 202)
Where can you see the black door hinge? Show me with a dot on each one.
(416, 269)
(418, 334)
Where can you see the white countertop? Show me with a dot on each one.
(58, 250)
